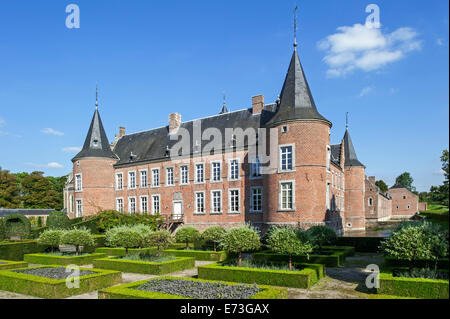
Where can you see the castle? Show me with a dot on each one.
(311, 182)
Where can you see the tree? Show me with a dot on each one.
(58, 220)
(77, 237)
(405, 180)
(187, 234)
(144, 231)
(125, 237)
(285, 241)
(51, 238)
(239, 240)
(213, 234)
(9, 190)
(38, 192)
(382, 186)
(321, 235)
(160, 239)
(58, 184)
(445, 166)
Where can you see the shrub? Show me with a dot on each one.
(58, 220)
(213, 234)
(124, 236)
(144, 231)
(51, 238)
(187, 234)
(285, 241)
(321, 236)
(160, 239)
(77, 237)
(2, 229)
(40, 223)
(110, 218)
(17, 225)
(239, 240)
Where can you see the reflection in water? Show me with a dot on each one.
(370, 233)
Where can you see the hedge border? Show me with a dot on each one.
(335, 259)
(120, 252)
(349, 251)
(23, 219)
(55, 289)
(413, 287)
(126, 291)
(7, 264)
(443, 263)
(145, 267)
(197, 254)
(361, 244)
(46, 259)
(304, 278)
(17, 249)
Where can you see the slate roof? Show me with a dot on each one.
(96, 143)
(296, 101)
(336, 154)
(349, 151)
(28, 212)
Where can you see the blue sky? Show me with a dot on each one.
(152, 58)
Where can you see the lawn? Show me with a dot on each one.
(437, 214)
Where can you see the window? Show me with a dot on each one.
(286, 157)
(144, 182)
(328, 204)
(79, 207)
(78, 183)
(200, 173)
(287, 198)
(256, 199)
(119, 181)
(71, 204)
(155, 177)
(199, 202)
(332, 179)
(184, 171)
(144, 204)
(156, 204)
(284, 129)
(216, 172)
(328, 158)
(404, 197)
(216, 202)
(131, 180)
(234, 169)
(234, 201)
(408, 207)
(119, 205)
(255, 168)
(370, 201)
(169, 177)
(132, 205)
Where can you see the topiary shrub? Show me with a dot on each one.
(321, 236)
(58, 220)
(51, 237)
(239, 240)
(2, 229)
(77, 237)
(160, 239)
(124, 236)
(144, 231)
(17, 225)
(187, 234)
(214, 235)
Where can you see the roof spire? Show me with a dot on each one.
(96, 96)
(346, 121)
(224, 107)
(295, 28)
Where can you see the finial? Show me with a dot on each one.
(346, 120)
(224, 99)
(295, 27)
(96, 96)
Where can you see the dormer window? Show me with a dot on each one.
(284, 129)
(95, 142)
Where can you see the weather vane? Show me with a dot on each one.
(295, 26)
(346, 120)
(96, 96)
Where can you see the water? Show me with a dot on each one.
(370, 233)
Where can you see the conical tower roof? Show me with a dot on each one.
(349, 151)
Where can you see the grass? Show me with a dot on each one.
(154, 259)
(438, 215)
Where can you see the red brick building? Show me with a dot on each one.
(310, 182)
(405, 203)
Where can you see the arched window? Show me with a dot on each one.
(370, 201)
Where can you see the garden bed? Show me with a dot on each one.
(203, 255)
(120, 252)
(49, 259)
(188, 288)
(7, 264)
(443, 263)
(145, 267)
(304, 278)
(327, 258)
(361, 244)
(16, 249)
(37, 282)
(348, 251)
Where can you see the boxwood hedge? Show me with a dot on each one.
(47, 259)
(126, 291)
(361, 244)
(333, 259)
(197, 254)
(393, 262)
(54, 289)
(15, 250)
(347, 250)
(7, 264)
(145, 267)
(120, 252)
(305, 278)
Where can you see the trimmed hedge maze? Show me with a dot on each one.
(7, 264)
(120, 252)
(129, 291)
(305, 278)
(15, 250)
(329, 259)
(48, 259)
(145, 267)
(53, 288)
(197, 254)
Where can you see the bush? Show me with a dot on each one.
(124, 236)
(160, 239)
(361, 244)
(2, 229)
(17, 249)
(58, 220)
(214, 235)
(239, 240)
(51, 238)
(77, 237)
(187, 234)
(110, 218)
(321, 236)
(40, 222)
(17, 225)
(144, 232)
(285, 241)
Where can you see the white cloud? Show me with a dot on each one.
(49, 165)
(51, 131)
(367, 49)
(2, 122)
(366, 91)
(71, 149)
(440, 42)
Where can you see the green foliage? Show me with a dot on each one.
(382, 186)
(58, 220)
(329, 259)
(15, 250)
(40, 222)
(405, 180)
(51, 238)
(77, 237)
(197, 255)
(322, 235)
(17, 225)
(187, 234)
(239, 240)
(9, 190)
(2, 229)
(160, 239)
(124, 236)
(6, 264)
(110, 218)
(361, 244)
(214, 235)
(38, 192)
(61, 259)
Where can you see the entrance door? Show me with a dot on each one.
(177, 210)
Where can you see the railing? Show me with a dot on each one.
(174, 218)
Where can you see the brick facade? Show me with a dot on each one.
(405, 204)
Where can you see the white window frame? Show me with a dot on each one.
(230, 211)
(197, 212)
(196, 181)
(129, 180)
(181, 175)
(117, 181)
(212, 180)
(129, 205)
(153, 204)
(141, 184)
(153, 184)
(280, 156)
(328, 195)
(280, 196)
(79, 210)
(328, 159)
(252, 200)
(78, 184)
(212, 202)
(141, 202)
(167, 176)
(230, 169)
(255, 165)
(117, 205)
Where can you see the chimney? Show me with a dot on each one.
(121, 131)
(257, 104)
(372, 179)
(174, 122)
